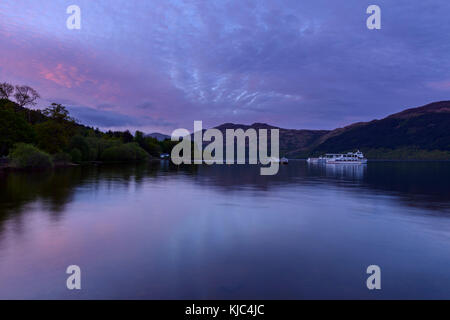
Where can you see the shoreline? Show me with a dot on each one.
(9, 168)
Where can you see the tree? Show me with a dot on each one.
(26, 95)
(152, 148)
(139, 138)
(127, 137)
(52, 136)
(151, 145)
(6, 90)
(76, 155)
(80, 143)
(58, 112)
(167, 145)
(13, 129)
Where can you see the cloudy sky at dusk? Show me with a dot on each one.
(158, 65)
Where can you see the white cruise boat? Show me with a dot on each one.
(345, 158)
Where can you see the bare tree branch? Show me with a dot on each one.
(6, 90)
(26, 95)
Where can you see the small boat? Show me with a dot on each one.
(277, 160)
(316, 160)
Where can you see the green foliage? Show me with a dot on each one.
(152, 148)
(76, 155)
(167, 146)
(52, 136)
(58, 113)
(123, 153)
(80, 143)
(149, 144)
(127, 137)
(28, 156)
(139, 137)
(98, 145)
(62, 158)
(13, 129)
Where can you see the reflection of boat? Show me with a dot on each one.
(345, 171)
(347, 158)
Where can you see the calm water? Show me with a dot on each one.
(220, 232)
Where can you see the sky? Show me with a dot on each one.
(158, 65)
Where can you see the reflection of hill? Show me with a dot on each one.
(422, 184)
(419, 184)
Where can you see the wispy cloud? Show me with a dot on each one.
(310, 64)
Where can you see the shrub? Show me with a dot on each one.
(62, 157)
(28, 156)
(93, 154)
(80, 143)
(129, 152)
(76, 155)
(98, 145)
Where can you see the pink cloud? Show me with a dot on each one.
(66, 76)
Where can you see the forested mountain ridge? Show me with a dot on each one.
(415, 133)
(421, 130)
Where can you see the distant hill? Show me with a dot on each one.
(291, 140)
(416, 133)
(158, 136)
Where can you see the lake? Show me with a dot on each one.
(225, 232)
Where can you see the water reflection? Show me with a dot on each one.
(345, 171)
(424, 183)
(162, 231)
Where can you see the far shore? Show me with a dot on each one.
(59, 165)
(10, 168)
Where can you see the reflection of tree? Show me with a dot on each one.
(55, 189)
(419, 184)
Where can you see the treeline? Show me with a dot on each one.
(42, 138)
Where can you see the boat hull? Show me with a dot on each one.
(347, 162)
